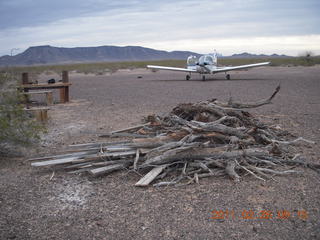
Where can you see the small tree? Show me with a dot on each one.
(16, 126)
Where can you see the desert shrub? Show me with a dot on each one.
(16, 126)
(307, 58)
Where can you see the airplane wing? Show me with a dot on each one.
(171, 68)
(226, 69)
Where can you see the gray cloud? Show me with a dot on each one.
(136, 22)
(21, 13)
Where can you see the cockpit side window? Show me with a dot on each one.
(192, 60)
(201, 60)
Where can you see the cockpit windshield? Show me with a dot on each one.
(192, 61)
(208, 59)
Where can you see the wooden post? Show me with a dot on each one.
(41, 114)
(25, 78)
(62, 95)
(65, 76)
(64, 92)
(49, 98)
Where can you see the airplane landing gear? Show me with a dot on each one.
(228, 77)
(203, 77)
(188, 77)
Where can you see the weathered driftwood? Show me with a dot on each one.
(123, 134)
(203, 153)
(193, 141)
(130, 128)
(135, 163)
(238, 105)
(230, 170)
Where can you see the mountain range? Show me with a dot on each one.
(250, 55)
(41, 55)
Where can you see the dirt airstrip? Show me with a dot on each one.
(35, 204)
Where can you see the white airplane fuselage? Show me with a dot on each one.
(206, 64)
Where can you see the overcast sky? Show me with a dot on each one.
(257, 26)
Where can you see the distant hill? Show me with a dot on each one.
(41, 55)
(249, 55)
(55, 55)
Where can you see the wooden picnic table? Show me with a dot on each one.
(63, 86)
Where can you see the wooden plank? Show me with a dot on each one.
(117, 148)
(37, 92)
(111, 155)
(99, 144)
(36, 108)
(77, 154)
(79, 165)
(45, 85)
(107, 169)
(79, 170)
(99, 156)
(119, 154)
(125, 134)
(100, 164)
(150, 176)
(49, 96)
(54, 162)
(103, 148)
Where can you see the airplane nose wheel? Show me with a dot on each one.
(203, 78)
(188, 77)
(228, 77)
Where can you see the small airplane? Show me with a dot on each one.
(206, 64)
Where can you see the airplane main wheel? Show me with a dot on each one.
(228, 76)
(188, 77)
(203, 78)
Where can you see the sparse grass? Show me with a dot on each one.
(96, 68)
(105, 67)
(290, 61)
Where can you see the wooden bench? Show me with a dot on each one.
(48, 94)
(63, 86)
(40, 113)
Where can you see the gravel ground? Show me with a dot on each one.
(82, 207)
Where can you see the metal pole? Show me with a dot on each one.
(12, 50)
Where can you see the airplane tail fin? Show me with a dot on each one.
(215, 57)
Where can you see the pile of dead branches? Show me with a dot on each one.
(193, 141)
